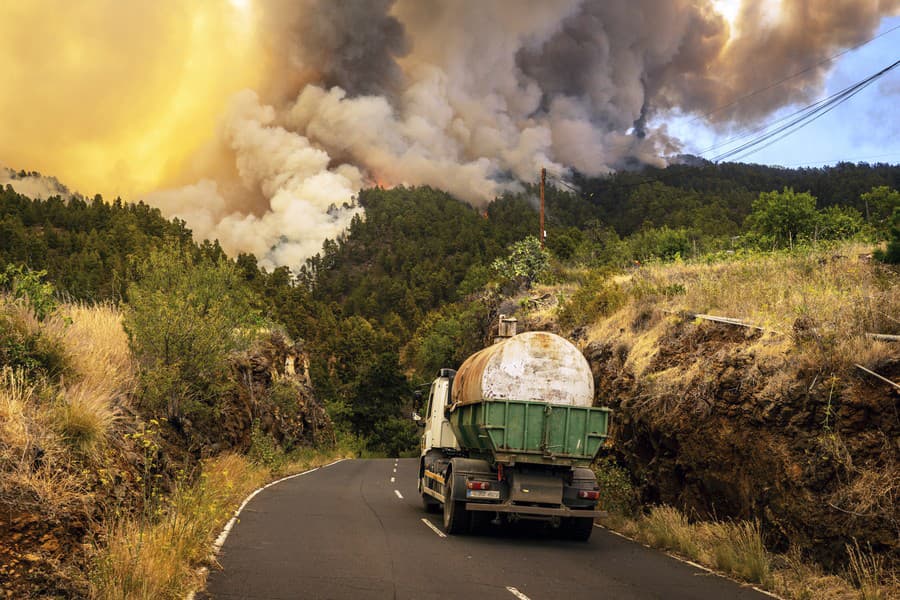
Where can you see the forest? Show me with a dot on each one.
(416, 282)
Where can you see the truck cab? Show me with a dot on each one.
(438, 433)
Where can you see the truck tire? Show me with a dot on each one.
(456, 518)
(577, 528)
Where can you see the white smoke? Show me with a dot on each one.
(476, 96)
(33, 185)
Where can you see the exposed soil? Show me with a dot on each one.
(726, 422)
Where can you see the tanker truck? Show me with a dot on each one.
(510, 435)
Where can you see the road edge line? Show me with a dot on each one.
(693, 564)
(434, 528)
(517, 593)
(223, 535)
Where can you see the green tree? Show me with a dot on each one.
(880, 203)
(526, 259)
(783, 218)
(184, 316)
(892, 254)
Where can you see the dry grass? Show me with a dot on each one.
(841, 296)
(54, 425)
(153, 558)
(737, 550)
(98, 347)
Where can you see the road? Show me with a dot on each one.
(356, 530)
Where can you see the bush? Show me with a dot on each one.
(598, 297)
(892, 254)
(617, 494)
(183, 319)
(27, 285)
(526, 259)
(783, 218)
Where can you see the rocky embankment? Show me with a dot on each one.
(728, 422)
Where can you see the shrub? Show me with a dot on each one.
(892, 254)
(617, 494)
(782, 218)
(27, 285)
(526, 259)
(184, 317)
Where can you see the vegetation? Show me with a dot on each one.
(184, 317)
(87, 411)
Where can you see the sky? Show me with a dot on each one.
(258, 121)
(866, 128)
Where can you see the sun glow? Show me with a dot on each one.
(115, 97)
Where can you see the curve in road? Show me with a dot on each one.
(357, 530)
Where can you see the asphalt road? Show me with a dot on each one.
(355, 530)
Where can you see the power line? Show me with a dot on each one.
(792, 76)
(807, 115)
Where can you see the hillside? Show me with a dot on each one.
(199, 344)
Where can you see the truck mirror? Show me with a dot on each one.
(417, 418)
(417, 396)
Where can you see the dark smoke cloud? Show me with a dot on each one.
(475, 96)
(354, 44)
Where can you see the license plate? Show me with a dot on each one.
(485, 494)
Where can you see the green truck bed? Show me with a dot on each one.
(517, 431)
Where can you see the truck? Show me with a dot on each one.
(510, 436)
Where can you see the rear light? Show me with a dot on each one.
(589, 495)
(478, 485)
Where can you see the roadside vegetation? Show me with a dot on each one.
(147, 382)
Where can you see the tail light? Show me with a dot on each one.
(478, 485)
(589, 494)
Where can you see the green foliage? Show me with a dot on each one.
(27, 285)
(662, 243)
(783, 218)
(617, 493)
(26, 345)
(185, 315)
(892, 254)
(880, 203)
(526, 259)
(839, 223)
(85, 246)
(449, 335)
(264, 450)
(596, 298)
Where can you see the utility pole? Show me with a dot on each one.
(543, 181)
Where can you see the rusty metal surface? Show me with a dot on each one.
(536, 366)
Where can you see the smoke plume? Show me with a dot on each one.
(317, 98)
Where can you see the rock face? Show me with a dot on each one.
(273, 389)
(727, 422)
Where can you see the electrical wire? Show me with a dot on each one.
(792, 76)
(803, 118)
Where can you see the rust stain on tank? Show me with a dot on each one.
(536, 366)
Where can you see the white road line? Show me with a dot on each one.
(395, 469)
(434, 529)
(392, 479)
(517, 593)
(690, 562)
(399, 495)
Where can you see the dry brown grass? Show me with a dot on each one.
(52, 427)
(98, 347)
(842, 296)
(736, 549)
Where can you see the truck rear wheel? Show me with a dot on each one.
(577, 528)
(456, 518)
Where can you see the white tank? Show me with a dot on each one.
(536, 366)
